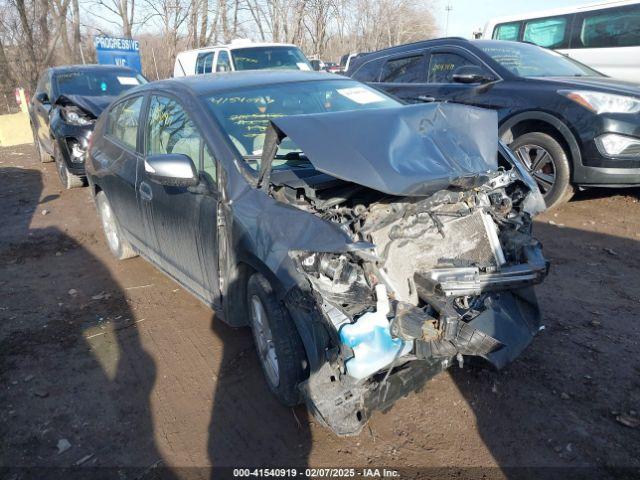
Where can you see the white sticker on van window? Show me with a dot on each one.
(128, 81)
(303, 66)
(360, 95)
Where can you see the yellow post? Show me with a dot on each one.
(23, 101)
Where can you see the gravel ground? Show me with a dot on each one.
(112, 364)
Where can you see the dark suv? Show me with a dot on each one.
(67, 102)
(570, 125)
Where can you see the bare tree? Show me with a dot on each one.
(118, 12)
(171, 15)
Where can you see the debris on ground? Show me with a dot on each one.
(628, 420)
(84, 459)
(73, 291)
(610, 251)
(41, 393)
(101, 296)
(63, 445)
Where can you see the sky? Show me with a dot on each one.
(466, 16)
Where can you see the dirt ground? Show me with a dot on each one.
(112, 364)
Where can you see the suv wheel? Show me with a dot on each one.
(548, 163)
(118, 245)
(277, 341)
(68, 179)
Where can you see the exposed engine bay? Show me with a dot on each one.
(441, 258)
(437, 269)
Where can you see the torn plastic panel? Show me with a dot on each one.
(412, 150)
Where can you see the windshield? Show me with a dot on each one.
(258, 58)
(531, 61)
(244, 114)
(96, 83)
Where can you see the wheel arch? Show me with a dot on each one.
(543, 122)
(236, 308)
(234, 299)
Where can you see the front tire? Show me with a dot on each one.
(118, 245)
(68, 179)
(278, 344)
(548, 163)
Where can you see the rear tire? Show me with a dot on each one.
(43, 156)
(548, 163)
(118, 245)
(68, 179)
(278, 344)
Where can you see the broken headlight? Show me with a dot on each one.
(338, 278)
(337, 268)
(75, 116)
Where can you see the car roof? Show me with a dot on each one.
(485, 42)
(420, 44)
(217, 82)
(407, 47)
(89, 68)
(237, 45)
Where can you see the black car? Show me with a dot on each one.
(64, 108)
(570, 125)
(314, 209)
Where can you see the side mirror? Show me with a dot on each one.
(471, 74)
(171, 170)
(42, 97)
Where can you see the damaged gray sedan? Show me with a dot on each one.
(368, 244)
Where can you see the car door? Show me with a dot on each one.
(118, 154)
(41, 107)
(404, 76)
(442, 64)
(181, 221)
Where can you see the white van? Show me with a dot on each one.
(605, 36)
(240, 55)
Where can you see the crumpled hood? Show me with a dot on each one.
(411, 150)
(92, 104)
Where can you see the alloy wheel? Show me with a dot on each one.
(108, 223)
(264, 340)
(540, 165)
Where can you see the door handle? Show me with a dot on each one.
(425, 98)
(145, 191)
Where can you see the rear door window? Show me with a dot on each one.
(404, 70)
(613, 27)
(507, 31)
(443, 64)
(123, 122)
(547, 32)
(369, 72)
(204, 64)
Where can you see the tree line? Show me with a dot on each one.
(36, 34)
